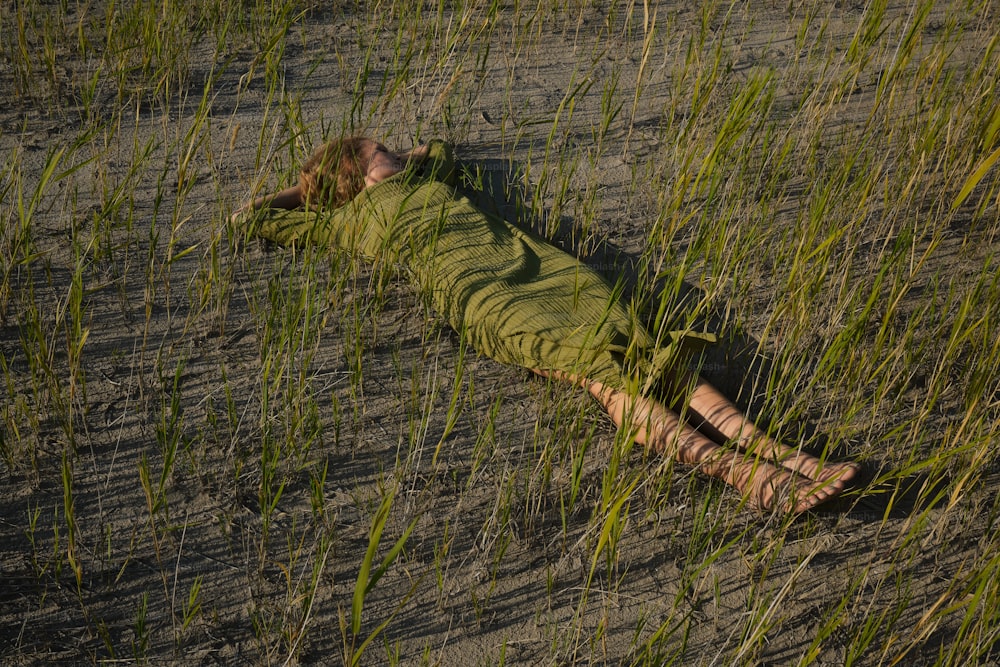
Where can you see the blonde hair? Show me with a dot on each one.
(334, 174)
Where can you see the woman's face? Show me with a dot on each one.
(382, 163)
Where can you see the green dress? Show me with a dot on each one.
(512, 295)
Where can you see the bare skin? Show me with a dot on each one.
(772, 476)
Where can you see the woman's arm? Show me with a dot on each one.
(289, 198)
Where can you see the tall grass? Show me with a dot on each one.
(214, 448)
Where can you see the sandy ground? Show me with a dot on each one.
(481, 581)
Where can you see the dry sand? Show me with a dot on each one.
(507, 585)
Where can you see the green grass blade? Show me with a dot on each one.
(975, 178)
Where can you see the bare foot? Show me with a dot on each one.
(774, 489)
(819, 471)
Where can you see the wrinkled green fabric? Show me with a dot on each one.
(513, 296)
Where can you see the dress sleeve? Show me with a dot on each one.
(338, 228)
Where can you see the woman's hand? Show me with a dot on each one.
(417, 153)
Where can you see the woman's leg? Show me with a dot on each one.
(766, 485)
(723, 416)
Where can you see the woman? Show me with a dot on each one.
(524, 302)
